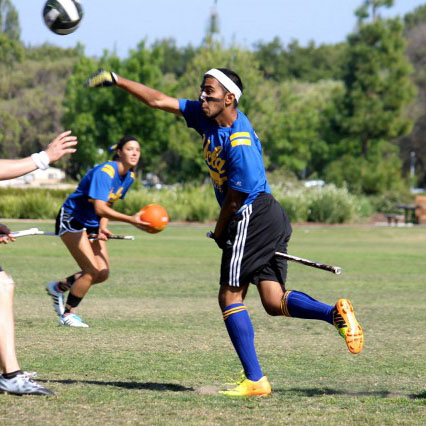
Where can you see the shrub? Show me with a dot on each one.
(331, 205)
(198, 203)
(32, 203)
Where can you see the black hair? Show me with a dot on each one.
(235, 78)
(121, 143)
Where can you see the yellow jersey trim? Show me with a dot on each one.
(238, 142)
(238, 135)
(109, 170)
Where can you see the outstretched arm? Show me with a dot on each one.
(104, 211)
(61, 145)
(151, 97)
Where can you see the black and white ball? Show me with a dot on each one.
(62, 16)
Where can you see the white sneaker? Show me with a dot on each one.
(30, 374)
(72, 320)
(57, 297)
(22, 384)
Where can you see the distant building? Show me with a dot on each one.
(49, 177)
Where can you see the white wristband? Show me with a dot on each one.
(114, 77)
(41, 160)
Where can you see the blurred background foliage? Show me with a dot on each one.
(349, 113)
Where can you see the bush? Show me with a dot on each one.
(375, 175)
(294, 202)
(187, 203)
(33, 203)
(327, 204)
(331, 205)
(198, 203)
(387, 202)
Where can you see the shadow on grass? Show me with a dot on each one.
(126, 385)
(328, 391)
(421, 395)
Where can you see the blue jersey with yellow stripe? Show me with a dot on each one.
(232, 154)
(101, 183)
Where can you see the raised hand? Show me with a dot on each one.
(61, 145)
(101, 78)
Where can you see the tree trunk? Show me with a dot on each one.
(364, 146)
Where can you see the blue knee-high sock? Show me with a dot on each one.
(240, 330)
(300, 305)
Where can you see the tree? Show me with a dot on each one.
(378, 88)
(9, 20)
(11, 52)
(311, 63)
(415, 34)
(378, 85)
(174, 59)
(101, 117)
(370, 9)
(414, 19)
(31, 95)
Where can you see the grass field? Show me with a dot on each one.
(157, 350)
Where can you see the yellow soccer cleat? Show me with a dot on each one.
(347, 325)
(247, 387)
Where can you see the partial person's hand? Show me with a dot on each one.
(101, 78)
(104, 234)
(61, 145)
(5, 234)
(140, 224)
(221, 242)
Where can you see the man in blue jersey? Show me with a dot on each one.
(251, 226)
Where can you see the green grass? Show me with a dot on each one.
(157, 350)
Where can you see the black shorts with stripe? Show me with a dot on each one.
(65, 222)
(253, 237)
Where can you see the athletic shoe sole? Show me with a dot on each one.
(249, 388)
(57, 298)
(354, 335)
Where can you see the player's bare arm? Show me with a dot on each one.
(61, 145)
(104, 211)
(104, 233)
(151, 97)
(232, 203)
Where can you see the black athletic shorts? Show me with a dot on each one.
(65, 222)
(253, 237)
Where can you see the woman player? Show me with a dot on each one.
(87, 211)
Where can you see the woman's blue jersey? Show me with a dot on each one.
(101, 183)
(232, 154)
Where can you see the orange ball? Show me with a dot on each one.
(156, 216)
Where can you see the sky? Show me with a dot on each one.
(120, 25)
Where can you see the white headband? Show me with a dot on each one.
(226, 82)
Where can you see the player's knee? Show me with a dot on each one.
(222, 300)
(97, 275)
(273, 311)
(228, 296)
(103, 275)
(6, 282)
(100, 275)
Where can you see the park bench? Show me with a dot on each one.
(394, 219)
(413, 213)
